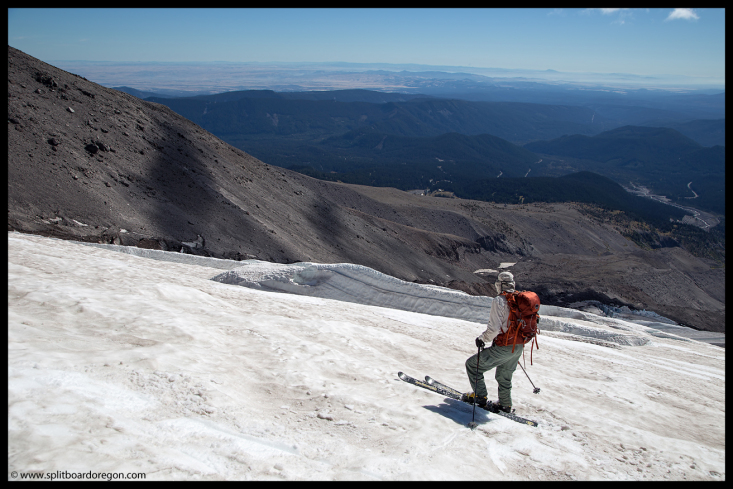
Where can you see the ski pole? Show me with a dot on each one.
(536, 389)
(472, 424)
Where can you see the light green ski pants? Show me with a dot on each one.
(505, 362)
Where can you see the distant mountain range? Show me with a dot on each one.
(632, 107)
(235, 115)
(353, 95)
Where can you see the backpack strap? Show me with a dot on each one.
(516, 333)
(511, 298)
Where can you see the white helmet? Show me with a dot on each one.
(504, 282)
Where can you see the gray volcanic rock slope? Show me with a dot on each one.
(94, 164)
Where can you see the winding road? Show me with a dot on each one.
(696, 196)
(706, 221)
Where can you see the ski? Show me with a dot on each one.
(432, 381)
(446, 391)
(435, 388)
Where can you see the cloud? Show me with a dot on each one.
(683, 13)
(557, 11)
(621, 13)
(604, 11)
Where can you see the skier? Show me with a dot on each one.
(500, 357)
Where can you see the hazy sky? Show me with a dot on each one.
(639, 41)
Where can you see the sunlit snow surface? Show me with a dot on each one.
(121, 363)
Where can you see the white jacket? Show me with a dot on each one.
(498, 319)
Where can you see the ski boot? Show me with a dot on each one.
(480, 400)
(495, 407)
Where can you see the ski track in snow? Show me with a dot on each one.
(118, 363)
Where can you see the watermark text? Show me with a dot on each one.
(65, 475)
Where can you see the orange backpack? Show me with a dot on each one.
(523, 319)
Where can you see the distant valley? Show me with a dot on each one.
(660, 158)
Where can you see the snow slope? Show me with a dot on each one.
(122, 363)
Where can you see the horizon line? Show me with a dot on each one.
(450, 68)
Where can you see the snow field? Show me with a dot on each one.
(127, 364)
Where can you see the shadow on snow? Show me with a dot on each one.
(459, 412)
